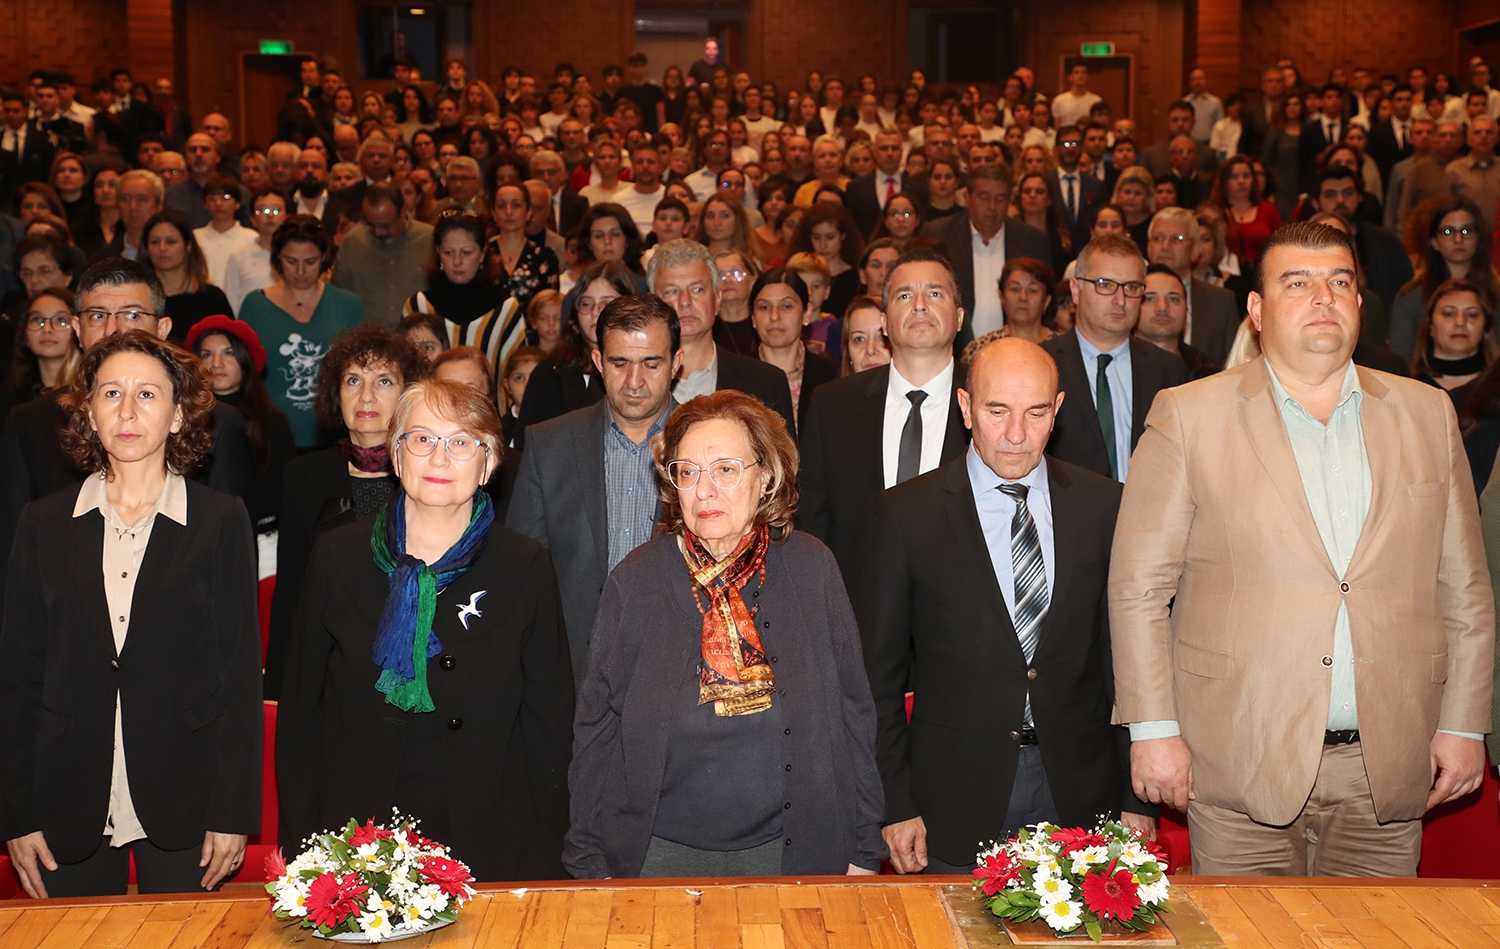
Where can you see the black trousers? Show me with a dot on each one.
(1030, 803)
(107, 871)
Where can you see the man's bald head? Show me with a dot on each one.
(1010, 401)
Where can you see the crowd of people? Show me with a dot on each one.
(558, 412)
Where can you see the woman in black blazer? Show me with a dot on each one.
(130, 710)
(359, 380)
(697, 750)
(474, 737)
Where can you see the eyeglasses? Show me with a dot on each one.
(735, 274)
(1106, 287)
(267, 212)
(724, 473)
(26, 273)
(1167, 238)
(42, 322)
(1462, 232)
(461, 447)
(129, 318)
(731, 184)
(903, 215)
(588, 304)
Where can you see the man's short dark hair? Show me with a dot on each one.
(633, 313)
(11, 95)
(611, 70)
(993, 172)
(120, 272)
(922, 252)
(1403, 87)
(670, 203)
(1166, 271)
(222, 184)
(310, 59)
(636, 59)
(1338, 173)
(63, 78)
(509, 71)
(1307, 236)
(1331, 87)
(117, 73)
(555, 85)
(36, 74)
(378, 194)
(1181, 105)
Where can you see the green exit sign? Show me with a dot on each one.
(284, 48)
(1093, 49)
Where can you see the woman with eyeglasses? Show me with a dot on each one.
(1458, 248)
(697, 751)
(434, 633)
(45, 352)
(249, 268)
(733, 328)
(898, 222)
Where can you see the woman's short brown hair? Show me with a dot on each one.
(190, 393)
(363, 345)
(772, 446)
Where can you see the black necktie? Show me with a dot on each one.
(1029, 574)
(1072, 196)
(909, 455)
(1104, 404)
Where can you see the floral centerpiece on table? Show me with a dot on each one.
(379, 883)
(1071, 877)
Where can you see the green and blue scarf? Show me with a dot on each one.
(404, 640)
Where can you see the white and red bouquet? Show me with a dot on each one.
(369, 883)
(1071, 877)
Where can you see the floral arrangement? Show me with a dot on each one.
(1071, 877)
(378, 882)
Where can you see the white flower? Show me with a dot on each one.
(376, 925)
(378, 904)
(1087, 857)
(415, 914)
(291, 898)
(431, 898)
(1053, 889)
(1047, 868)
(1154, 893)
(1063, 916)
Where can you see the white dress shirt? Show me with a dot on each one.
(1121, 378)
(989, 261)
(702, 382)
(315, 208)
(14, 140)
(218, 246)
(934, 412)
(883, 182)
(996, 510)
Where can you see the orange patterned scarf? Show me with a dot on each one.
(735, 674)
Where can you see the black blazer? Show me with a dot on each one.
(187, 679)
(1077, 437)
(762, 380)
(33, 463)
(315, 499)
(488, 768)
(1383, 148)
(843, 459)
(1021, 240)
(816, 370)
(932, 614)
(1309, 144)
(864, 203)
(1216, 318)
(555, 391)
(1384, 260)
(644, 666)
(571, 208)
(1093, 194)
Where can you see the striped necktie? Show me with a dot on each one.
(1029, 573)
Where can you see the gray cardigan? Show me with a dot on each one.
(643, 661)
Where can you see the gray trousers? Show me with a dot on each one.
(666, 859)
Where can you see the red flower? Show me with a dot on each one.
(1111, 895)
(331, 899)
(1156, 850)
(368, 834)
(275, 865)
(996, 871)
(450, 875)
(1076, 838)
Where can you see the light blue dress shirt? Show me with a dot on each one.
(629, 488)
(1121, 390)
(996, 509)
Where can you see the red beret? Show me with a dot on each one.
(237, 328)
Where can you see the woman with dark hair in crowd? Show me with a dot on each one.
(778, 308)
(41, 262)
(899, 221)
(233, 359)
(1034, 203)
(68, 179)
(1456, 341)
(358, 383)
(426, 332)
(1458, 248)
(1026, 297)
(297, 318)
(1249, 217)
(829, 231)
(943, 182)
(163, 569)
(45, 352)
(775, 196)
(723, 227)
(415, 112)
(729, 793)
(473, 311)
(609, 234)
(568, 379)
(99, 231)
(519, 266)
(470, 674)
(865, 345)
(179, 265)
(35, 198)
(1280, 151)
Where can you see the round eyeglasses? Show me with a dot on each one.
(460, 447)
(724, 473)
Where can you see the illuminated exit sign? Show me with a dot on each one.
(284, 47)
(1093, 49)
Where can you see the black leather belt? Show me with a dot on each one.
(1347, 736)
(1024, 736)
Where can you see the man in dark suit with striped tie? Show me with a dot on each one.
(984, 589)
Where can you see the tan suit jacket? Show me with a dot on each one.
(1214, 514)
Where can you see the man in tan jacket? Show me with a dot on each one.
(1324, 674)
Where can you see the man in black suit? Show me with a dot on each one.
(1213, 316)
(1163, 316)
(312, 195)
(1318, 132)
(1193, 186)
(586, 488)
(32, 461)
(1076, 193)
(1263, 109)
(866, 432)
(979, 243)
(136, 117)
(1111, 377)
(68, 134)
(568, 206)
(1390, 139)
(376, 155)
(682, 273)
(866, 195)
(30, 148)
(1158, 158)
(1383, 261)
(984, 593)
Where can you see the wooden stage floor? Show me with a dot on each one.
(784, 913)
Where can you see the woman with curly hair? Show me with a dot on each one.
(829, 231)
(183, 791)
(359, 381)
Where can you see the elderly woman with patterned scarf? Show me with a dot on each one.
(429, 667)
(696, 750)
